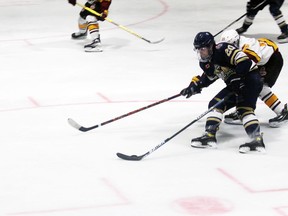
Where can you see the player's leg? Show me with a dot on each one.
(246, 108)
(279, 18)
(213, 121)
(251, 14)
(93, 27)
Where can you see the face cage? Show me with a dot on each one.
(202, 59)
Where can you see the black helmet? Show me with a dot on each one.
(203, 39)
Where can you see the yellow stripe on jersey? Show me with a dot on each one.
(264, 41)
(253, 55)
(240, 58)
(234, 52)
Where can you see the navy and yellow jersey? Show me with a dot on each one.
(208, 76)
(226, 60)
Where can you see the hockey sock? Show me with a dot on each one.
(271, 100)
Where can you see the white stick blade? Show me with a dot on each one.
(73, 123)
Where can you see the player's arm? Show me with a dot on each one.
(196, 85)
(104, 8)
(208, 77)
(243, 65)
(253, 52)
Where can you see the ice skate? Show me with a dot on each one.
(256, 145)
(241, 30)
(233, 118)
(94, 46)
(280, 119)
(208, 140)
(79, 35)
(283, 38)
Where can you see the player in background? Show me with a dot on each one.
(274, 8)
(88, 22)
(265, 53)
(242, 78)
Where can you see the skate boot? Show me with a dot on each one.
(241, 30)
(283, 38)
(233, 118)
(255, 145)
(79, 35)
(280, 119)
(208, 140)
(94, 46)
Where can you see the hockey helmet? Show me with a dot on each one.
(204, 43)
(230, 36)
(203, 39)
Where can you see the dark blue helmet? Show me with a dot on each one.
(203, 39)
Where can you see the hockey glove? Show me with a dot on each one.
(193, 88)
(104, 14)
(73, 2)
(236, 85)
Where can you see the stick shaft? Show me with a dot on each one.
(137, 158)
(114, 23)
(188, 125)
(85, 129)
(257, 6)
(140, 109)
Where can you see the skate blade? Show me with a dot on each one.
(283, 40)
(210, 145)
(258, 150)
(93, 49)
(79, 38)
(277, 124)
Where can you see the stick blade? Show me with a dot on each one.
(76, 125)
(131, 157)
(156, 42)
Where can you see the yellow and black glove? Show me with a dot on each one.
(193, 88)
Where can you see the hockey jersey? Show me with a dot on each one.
(259, 50)
(101, 5)
(227, 60)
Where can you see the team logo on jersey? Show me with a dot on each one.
(207, 66)
(223, 72)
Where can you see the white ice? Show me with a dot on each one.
(48, 168)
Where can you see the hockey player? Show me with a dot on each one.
(241, 76)
(274, 8)
(88, 22)
(265, 53)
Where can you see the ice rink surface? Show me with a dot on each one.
(48, 168)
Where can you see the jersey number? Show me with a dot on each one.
(229, 50)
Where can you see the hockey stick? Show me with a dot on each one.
(119, 26)
(138, 158)
(84, 129)
(257, 6)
